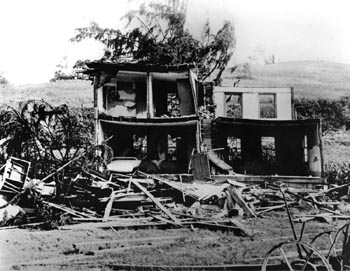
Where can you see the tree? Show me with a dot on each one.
(3, 80)
(157, 35)
(63, 73)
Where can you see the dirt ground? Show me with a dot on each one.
(33, 249)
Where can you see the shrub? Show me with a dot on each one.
(337, 173)
(335, 114)
(46, 136)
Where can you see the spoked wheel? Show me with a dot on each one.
(339, 251)
(295, 256)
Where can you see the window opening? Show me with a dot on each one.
(268, 149)
(267, 104)
(234, 148)
(234, 105)
(173, 104)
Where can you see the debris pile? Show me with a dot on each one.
(135, 199)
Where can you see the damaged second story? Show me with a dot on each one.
(148, 112)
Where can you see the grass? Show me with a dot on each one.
(71, 92)
(336, 147)
(310, 79)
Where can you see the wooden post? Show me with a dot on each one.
(150, 106)
(97, 127)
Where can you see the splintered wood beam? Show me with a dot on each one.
(108, 207)
(167, 212)
(165, 181)
(240, 201)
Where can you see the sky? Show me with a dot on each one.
(35, 34)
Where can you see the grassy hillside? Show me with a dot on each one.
(311, 79)
(70, 92)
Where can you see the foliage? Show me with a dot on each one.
(337, 173)
(46, 136)
(3, 80)
(241, 71)
(333, 113)
(63, 73)
(160, 37)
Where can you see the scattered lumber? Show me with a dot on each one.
(144, 190)
(236, 195)
(139, 200)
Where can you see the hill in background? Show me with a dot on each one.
(310, 79)
(74, 93)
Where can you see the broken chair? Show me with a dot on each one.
(15, 173)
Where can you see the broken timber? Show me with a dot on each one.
(167, 212)
(237, 197)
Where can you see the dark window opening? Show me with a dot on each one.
(268, 147)
(173, 105)
(140, 146)
(267, 103)
(172, 145)
(166, 99)
(234, 152)
(234, 105)
(268, 155)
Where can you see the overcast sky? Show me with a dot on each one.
(35, 34)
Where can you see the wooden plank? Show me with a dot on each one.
(237, 184)
(185, 97)
(238, 198)
(167, 212)
(68, 210)
(109, 207)
(290, 181)
(200, 166)
(162, 219)
(243, 229)
(165, 181)
(214, 158)
(327, 191)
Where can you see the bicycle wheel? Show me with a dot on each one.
(295, 256)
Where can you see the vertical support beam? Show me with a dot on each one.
(315, 158)
(193, 78)
(150, 105)
(220, 109)
(250, 106)
(294, 117)
(97, 126)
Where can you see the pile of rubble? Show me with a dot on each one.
(136, 199)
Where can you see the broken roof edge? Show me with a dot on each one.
(97, 66)
(178, 121)
(267, 122)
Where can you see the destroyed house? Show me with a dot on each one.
(260, 135)
(148, 112)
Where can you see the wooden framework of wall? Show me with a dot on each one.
(250, 101)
